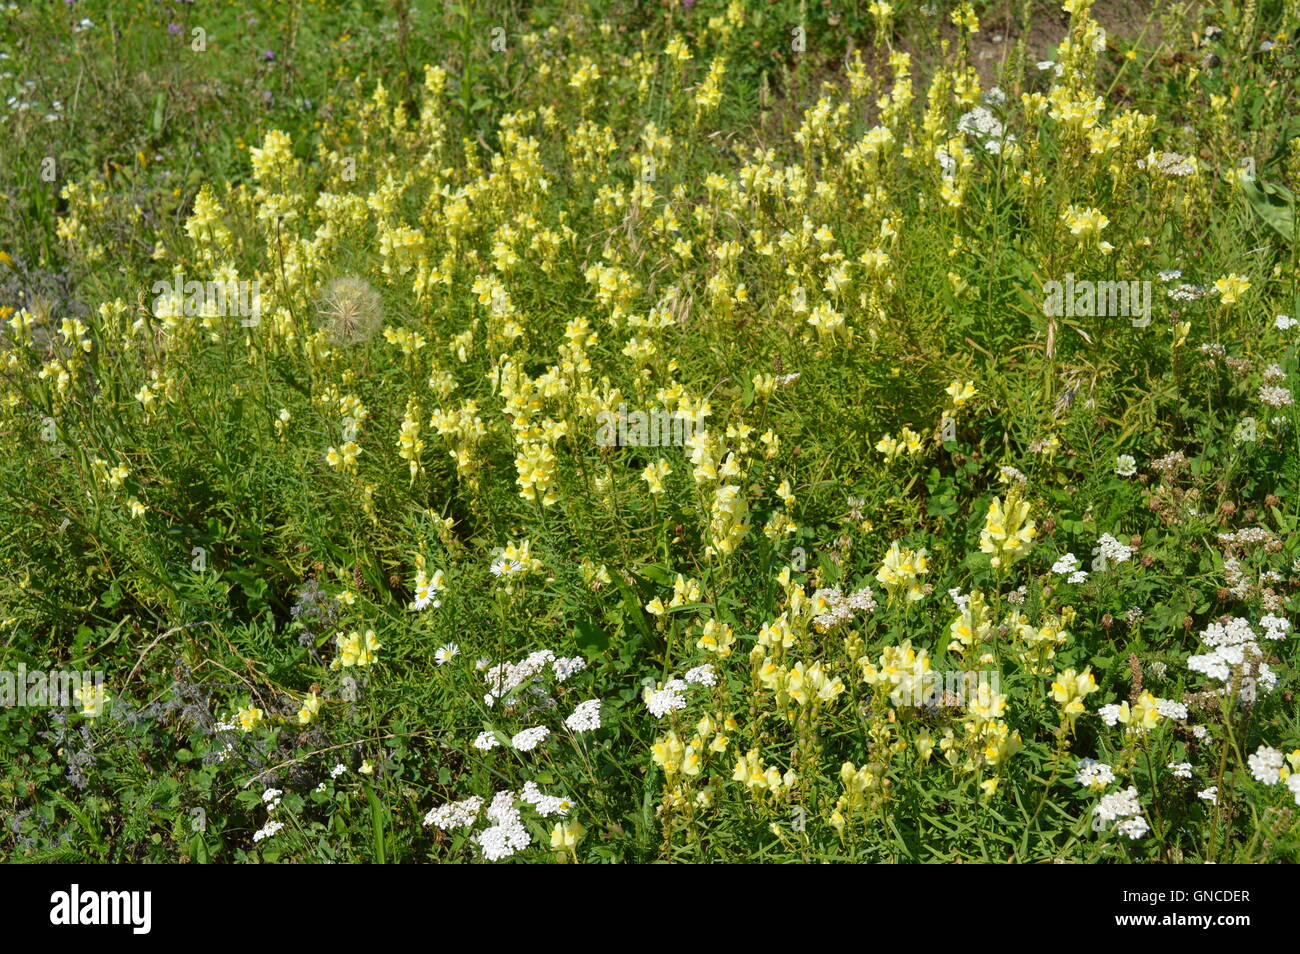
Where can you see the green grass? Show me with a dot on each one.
(505, 213)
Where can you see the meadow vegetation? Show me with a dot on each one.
(926, 571)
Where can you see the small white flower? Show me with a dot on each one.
(1066, 565)
(668, 699)
(503, 567)
(446, 653)
(702, 675)
(1171, 710)
(1109, 550)
(1181, 769)
(1266, 765)
(1119, 805)
(1275, 627)
(424, 597)
(1125, 465)
(566, 666)
(1284, 322)
(1134, 827)
(338, 770)
(267, 830)
(455, 814)
(585, 718)
(486, 741)
(546, 805)
(1095, 775)
(1275, 396)
(1009, 473)
(529, 739)
(1210, 794)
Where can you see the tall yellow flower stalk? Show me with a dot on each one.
(1008, 532)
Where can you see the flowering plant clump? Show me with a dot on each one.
(595, 444)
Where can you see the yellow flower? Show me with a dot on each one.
(1231, 288)
(1069, 690)
(356, 650)
(677, 49)
(716, 638)
(1084, 222)
(902, 570)
(565, 838)
(1008, 532)
(343, 458)
(1144, 716)
(92, 698)
(250, 718)
(961, 392)
(654, 475)
(668, 753)
(310, 708)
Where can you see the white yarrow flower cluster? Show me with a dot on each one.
(1093, 774)
(1181, 769)
(1069, 566)
(507, 835)
(1274, 396)
(566, 666)
(1266, 765)
(455, 814)
(1235, 656)
(546, 805)
(983, 125)
(585, 718)
(1009, 474)
(831, 607)
(529, 739)
(1123, 807)
(486, 741)
(666, 698)
(1134, 828)
(267, 830)
(1109, 550)
(506, 679)
(1171, 710)
(702, 676)
(1275, 627)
